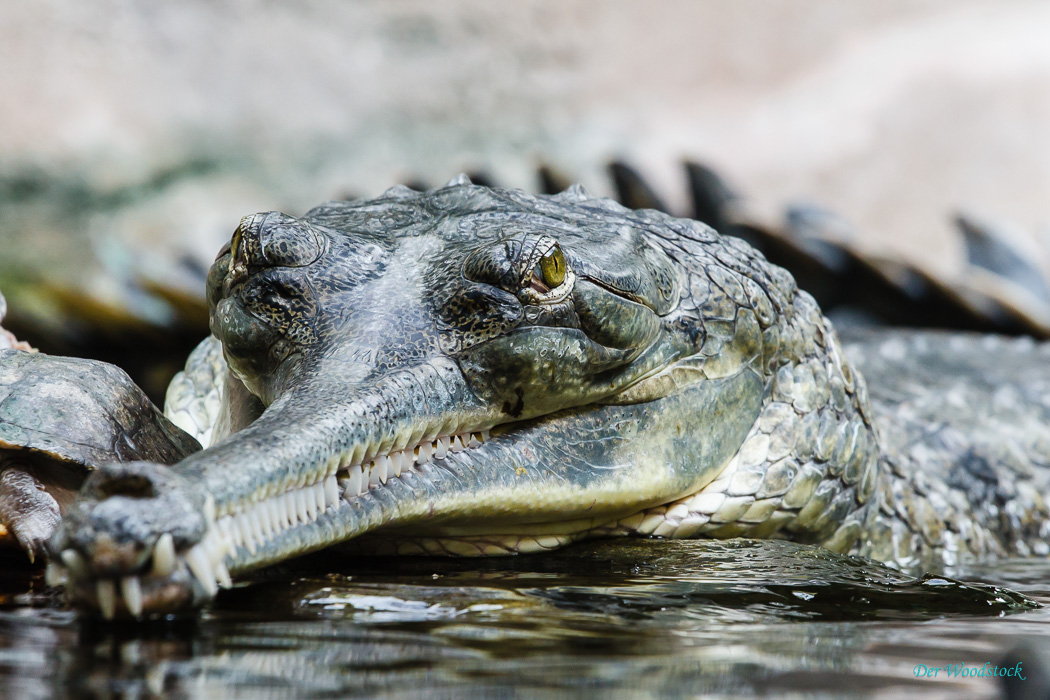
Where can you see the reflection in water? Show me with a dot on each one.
(626, 617)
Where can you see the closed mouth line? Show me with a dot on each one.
(250, 524)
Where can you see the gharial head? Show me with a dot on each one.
(467, 370)
(538, 311)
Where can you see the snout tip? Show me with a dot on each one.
(117, 550)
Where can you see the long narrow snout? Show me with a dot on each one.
(436, 470)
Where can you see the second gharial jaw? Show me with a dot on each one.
(250, 523)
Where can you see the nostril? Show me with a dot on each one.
(130, 485)
(139, 480)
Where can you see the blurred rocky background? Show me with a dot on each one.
(135, 134)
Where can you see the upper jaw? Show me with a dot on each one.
(147, 539)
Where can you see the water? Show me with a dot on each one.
(625, 618)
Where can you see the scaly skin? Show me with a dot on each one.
(673, 383)
(60, 417)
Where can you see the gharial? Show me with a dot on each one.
(479, 371)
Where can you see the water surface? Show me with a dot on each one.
(623, 618)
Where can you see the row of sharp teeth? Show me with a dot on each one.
(255, 524)
(355, 480)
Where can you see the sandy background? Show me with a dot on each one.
(134, 135)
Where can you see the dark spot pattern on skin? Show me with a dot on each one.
(515, 410)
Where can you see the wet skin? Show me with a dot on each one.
(478, 371)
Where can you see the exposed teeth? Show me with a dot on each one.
(331, 491)
(74, 562)
(106, 593)
(255, 533)
(356, 479)
(54, 575)
(354, 483)
(303, 506)
(262, 510)
(283, 503)
(384, 468)
(164, 555)
(251, 525)
(209, 510)
(132, 591)
(198, 562)
(223, 574)
(423, 452)
(320, 496)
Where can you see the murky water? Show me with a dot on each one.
(625, 618)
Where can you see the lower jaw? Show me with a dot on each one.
(342, 504)
(295, 522)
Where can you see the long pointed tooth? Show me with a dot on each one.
(280, 506)
(244, 523)
(440, 447)
(276, 517)
(383, 467)
(236, 536)
(353, 483)
(373, 475)
(292, 504)
(474, 440)
(54, 575)
(265, 526)
(457, 444)
(320, 501)
(425, 450)
(164, 555)
(228, 546)
(224, 527)
(396, 462)
(306, 504)
(255, 524)
(197, 560)
(247, 530)
(484, 436)
(131, 589)
(263, 517)
(331, 491)
(106, 591)
(213, 547)
(223, 575)
(74, 562)
(276, 513)
(209, 509)
(298, 514)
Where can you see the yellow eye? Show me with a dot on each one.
(552, 267)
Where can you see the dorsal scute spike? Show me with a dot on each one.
(461, 179)
(993, 247)
(574, 193)
(399, 192)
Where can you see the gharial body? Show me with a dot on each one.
(479, 371)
